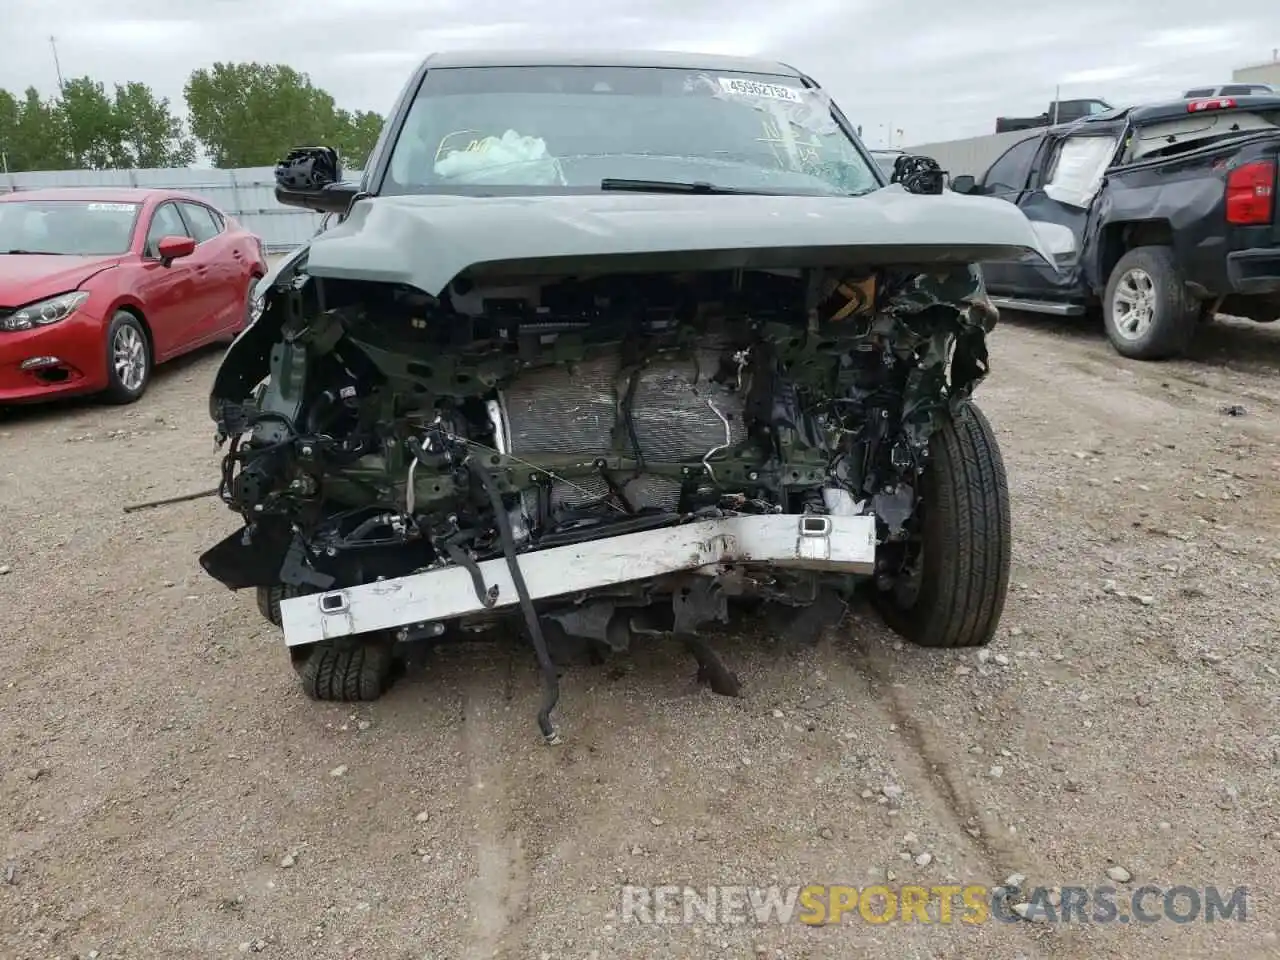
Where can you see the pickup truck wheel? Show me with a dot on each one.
(269, 600)
(953, 593)
(1148, 312)
(346, 672)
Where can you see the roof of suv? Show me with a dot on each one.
(672, 59)
(1241, 87)
(1171, 110)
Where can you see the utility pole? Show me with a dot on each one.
(53, 45)
(62, 89)
(1057, 95)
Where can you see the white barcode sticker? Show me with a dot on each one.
(754, 88)
(113, 207)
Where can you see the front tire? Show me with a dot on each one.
(955, 593)
(269, 600)
(128, 359)
(354, 670)
(1148, 312)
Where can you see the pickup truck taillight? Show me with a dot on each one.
(1251, 191)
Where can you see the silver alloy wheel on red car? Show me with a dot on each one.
(129, 356)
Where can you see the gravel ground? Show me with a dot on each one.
(167, 791)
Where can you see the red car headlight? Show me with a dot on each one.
(44, 312)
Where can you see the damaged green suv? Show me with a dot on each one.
(598, 344)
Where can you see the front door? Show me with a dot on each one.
(1063, 185)
(1007, 179)
(222, 291)
(168, 294)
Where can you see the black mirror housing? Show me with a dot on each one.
(964, 184)
(311, 178)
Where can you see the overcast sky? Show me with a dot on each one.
(936, 69)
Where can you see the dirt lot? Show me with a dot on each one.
(168, 792)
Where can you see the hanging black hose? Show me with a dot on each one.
(550, 682)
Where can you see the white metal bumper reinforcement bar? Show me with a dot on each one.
(843, 544)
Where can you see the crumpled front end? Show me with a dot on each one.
(417, 464)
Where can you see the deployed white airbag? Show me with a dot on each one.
(509, 159)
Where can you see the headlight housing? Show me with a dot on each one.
(44, 312)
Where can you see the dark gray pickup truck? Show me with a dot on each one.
(1059, 111)
(1166, 212)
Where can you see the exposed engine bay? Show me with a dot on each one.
(375, 430)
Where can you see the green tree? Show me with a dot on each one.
(251, 114)
(90, 124)
(10, 115)
(149, 135)
(86, 129)
(32, 133)
(357, 132)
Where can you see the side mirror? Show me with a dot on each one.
(173, 248)
(311, 178)
(964, 184)
(309, 168)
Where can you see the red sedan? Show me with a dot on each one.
(97, 286)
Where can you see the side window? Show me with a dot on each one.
(203, 226)
(165, 222)
(1076, 171)
(1009, 173)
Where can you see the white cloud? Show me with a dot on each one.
(1102, 74)
(1202, 37)
(134, 34)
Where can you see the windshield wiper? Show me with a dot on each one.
(705, 188)
(674, 186)
(35, 253)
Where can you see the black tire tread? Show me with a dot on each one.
(1177, 312)
(269, 600)
(269, 603)
(967, 536)
(346, 674)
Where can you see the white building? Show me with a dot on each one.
(1260, 73)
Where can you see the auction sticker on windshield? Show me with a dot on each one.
(753, 88)
(113, 207)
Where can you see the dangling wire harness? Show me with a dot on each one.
(550, 682)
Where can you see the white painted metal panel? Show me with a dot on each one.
(844, 544)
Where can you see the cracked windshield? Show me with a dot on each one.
(557, 127)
